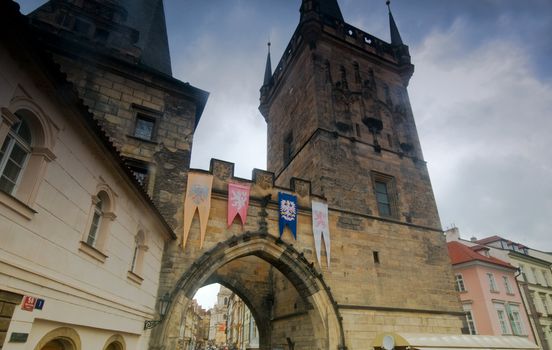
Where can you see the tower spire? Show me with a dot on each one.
(133, 30)
(329, 8)
(268, 69)
(395, 35)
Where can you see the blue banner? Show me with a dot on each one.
(288, 213)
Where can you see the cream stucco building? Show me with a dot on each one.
(81, 242)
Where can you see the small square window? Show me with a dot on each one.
(145, 127)
(139, 170)
(376, 257)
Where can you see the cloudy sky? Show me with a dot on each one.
(481, 95)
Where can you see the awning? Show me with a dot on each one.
(421, 341)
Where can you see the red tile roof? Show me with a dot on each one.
(460, 253)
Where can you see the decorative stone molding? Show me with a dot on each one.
(134, 277)
(92, 252)
(16, 205)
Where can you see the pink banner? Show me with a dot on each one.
(238, 202)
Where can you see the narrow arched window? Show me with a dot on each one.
(96, 222)
(138, 254)
(134, 256)
(95, 237)
(14, 155)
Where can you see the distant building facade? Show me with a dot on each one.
(241, 330)
(194, 328)
(488, 292)
(219, 313)
(533, 276)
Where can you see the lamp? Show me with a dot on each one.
(163, 306)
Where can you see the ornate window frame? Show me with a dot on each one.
(392, 196)
(43, 131)
(140, 248)
(97, 248)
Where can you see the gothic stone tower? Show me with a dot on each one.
(338, 114)
(116, 54)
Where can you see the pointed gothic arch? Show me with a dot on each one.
(321, 307)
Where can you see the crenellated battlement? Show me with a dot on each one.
(342, 31)
(262, 183)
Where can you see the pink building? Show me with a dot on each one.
(488, 291)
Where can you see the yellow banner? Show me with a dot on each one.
(198, 196)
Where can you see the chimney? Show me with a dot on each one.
(452, 234)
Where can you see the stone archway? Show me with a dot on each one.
(327, 330)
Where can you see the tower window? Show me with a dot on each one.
(145, 127)
(288, 148)
(375, 254)
(139, 169)
(384, 189)
(382, 197)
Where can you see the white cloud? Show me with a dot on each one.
(231, 128)
(484, 121)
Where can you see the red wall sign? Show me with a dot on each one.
(28, 303)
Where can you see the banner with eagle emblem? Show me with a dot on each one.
(288, 213)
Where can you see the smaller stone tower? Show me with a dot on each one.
(117, 55)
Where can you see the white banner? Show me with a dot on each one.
(321, 228)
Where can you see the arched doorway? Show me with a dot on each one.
(227, 263)
(115, 342)
(58, 344)
(114, 346)
(63, 338)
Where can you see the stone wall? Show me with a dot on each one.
(116, 94)
(8, 303)
(410, 287)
